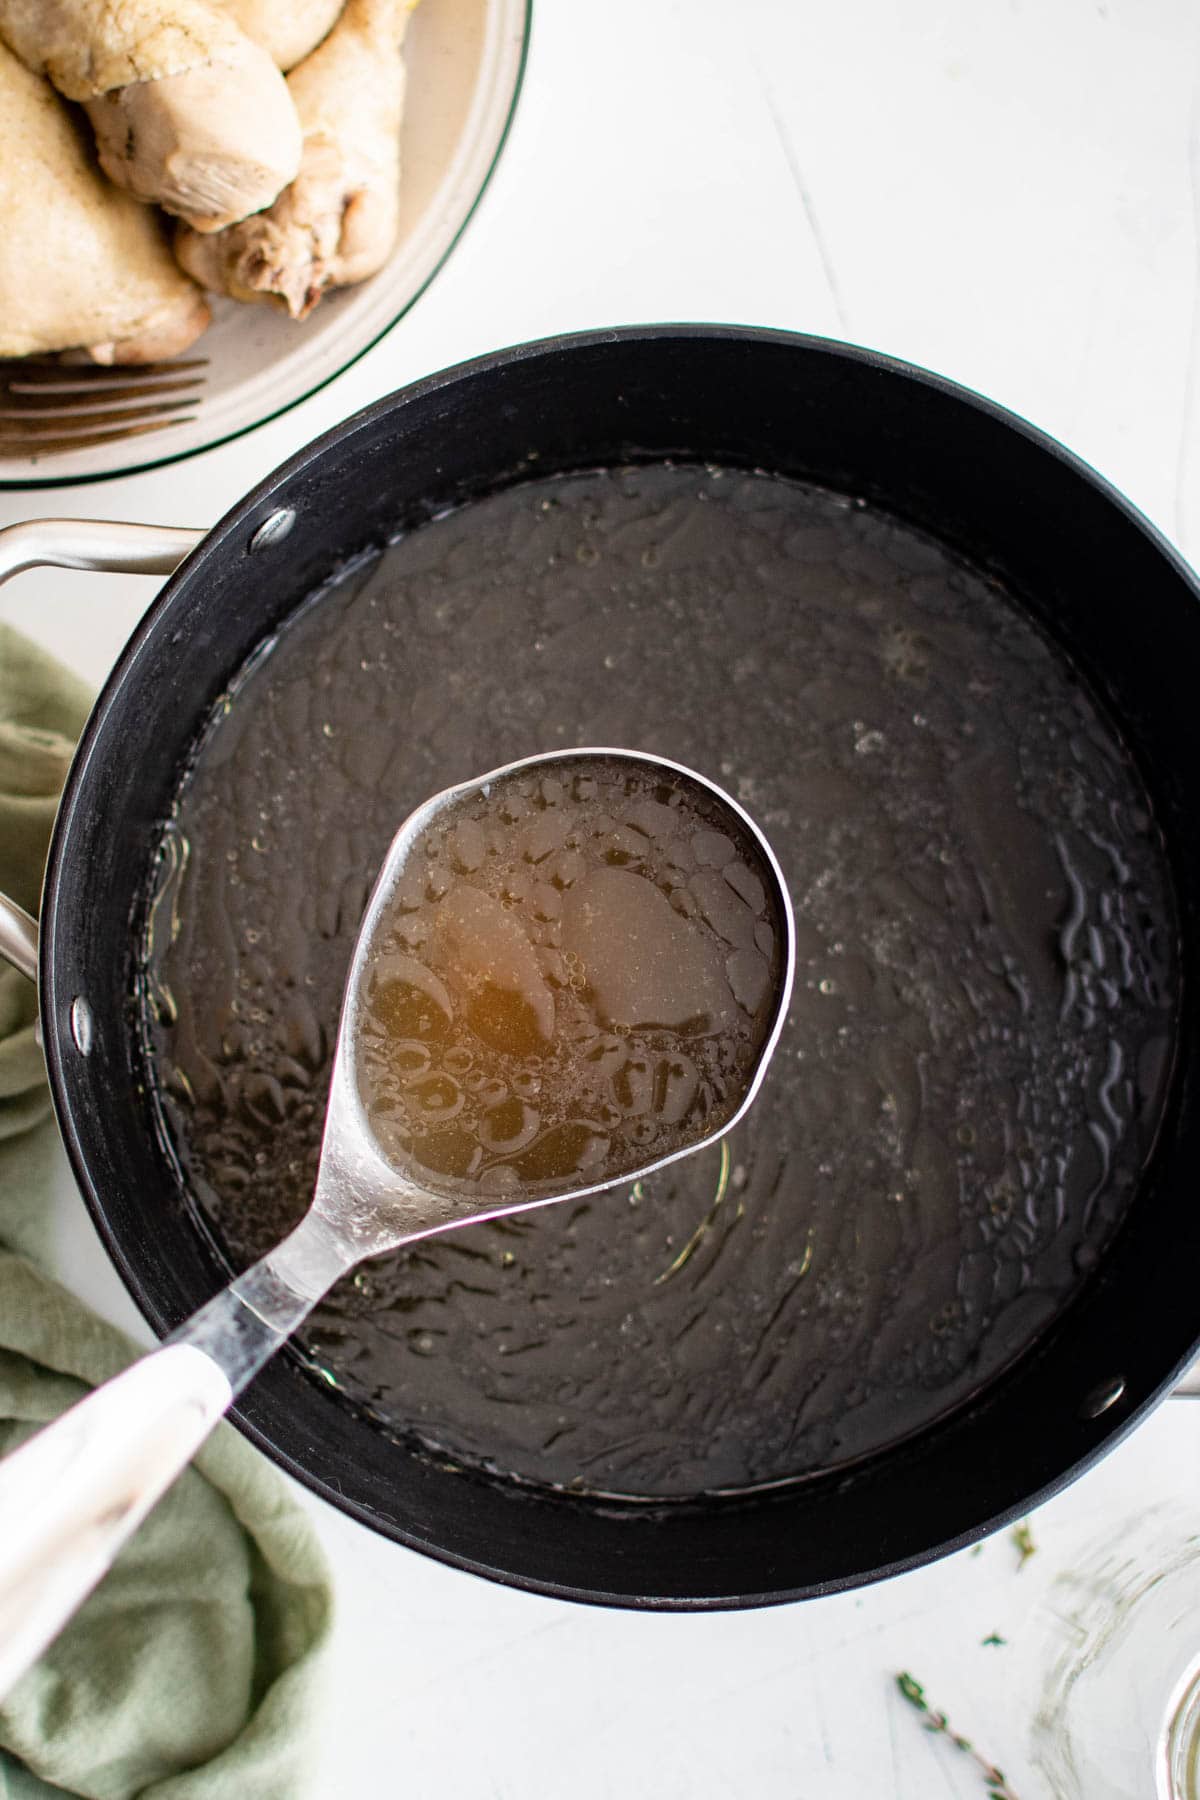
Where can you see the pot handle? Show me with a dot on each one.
(18, 937)
(78, 544)
(94, 544)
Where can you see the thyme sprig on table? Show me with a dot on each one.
(914, 1693)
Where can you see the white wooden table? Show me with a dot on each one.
(1007, 192)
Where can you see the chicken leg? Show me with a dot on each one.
(337, 222)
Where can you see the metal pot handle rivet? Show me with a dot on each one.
(1102, 1396)
(274, 528)
(83, 1026)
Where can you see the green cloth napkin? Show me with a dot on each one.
(191, 1672)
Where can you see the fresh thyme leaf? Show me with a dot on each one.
(1022, 1537)
(914, 1693)
(912, 1690)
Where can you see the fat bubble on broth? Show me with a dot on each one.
(974, 1062)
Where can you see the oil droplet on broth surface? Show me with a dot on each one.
(562, 1024)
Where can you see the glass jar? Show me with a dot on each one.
(1117, 1715)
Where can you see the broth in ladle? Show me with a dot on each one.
(553, 998)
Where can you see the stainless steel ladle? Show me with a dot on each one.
(72, 1495)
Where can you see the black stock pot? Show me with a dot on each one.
(1115, 596)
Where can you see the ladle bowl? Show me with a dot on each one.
(73, 1494)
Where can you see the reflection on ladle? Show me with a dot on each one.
(536, 1009)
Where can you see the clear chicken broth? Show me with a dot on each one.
(975, 1057)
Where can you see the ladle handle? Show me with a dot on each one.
(96, 544)
(73, 1495)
